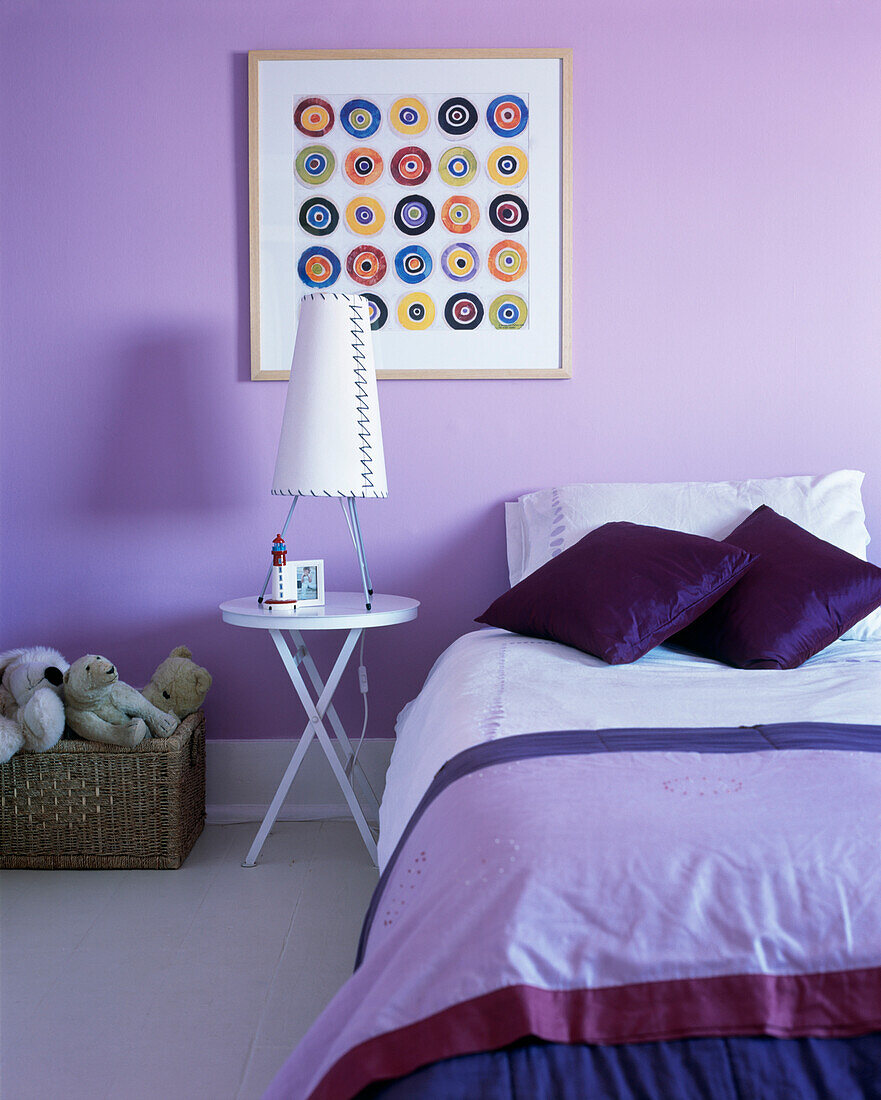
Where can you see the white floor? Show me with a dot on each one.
(177, 984)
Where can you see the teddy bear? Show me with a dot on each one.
(101, 707)
(178, 685)
(31, 711)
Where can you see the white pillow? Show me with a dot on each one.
(514, 542)
(551, 520)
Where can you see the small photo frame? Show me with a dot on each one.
(310, 582)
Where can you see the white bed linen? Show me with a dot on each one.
(491, 683)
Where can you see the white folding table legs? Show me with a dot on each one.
(315, 712)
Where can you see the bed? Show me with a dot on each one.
(653, 879)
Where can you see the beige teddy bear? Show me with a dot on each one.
(100, 707)
(179, 685)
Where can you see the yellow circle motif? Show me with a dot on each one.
(507, 165)
(365, 216)
(408, 115)
(416, 311)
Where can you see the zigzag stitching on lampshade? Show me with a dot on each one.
(361, 406)
(362, 492)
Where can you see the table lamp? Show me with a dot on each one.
(331, 439)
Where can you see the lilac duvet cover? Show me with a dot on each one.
(607, 911)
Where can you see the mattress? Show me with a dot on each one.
(491, 684)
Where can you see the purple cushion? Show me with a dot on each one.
(621, 590)
(800, 596)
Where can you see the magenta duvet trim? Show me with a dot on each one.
(822, 1005)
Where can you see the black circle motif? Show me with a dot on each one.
(457, 116)
(318, 216)
(414, 214)
(508, 213)
(378, 311)
(463, 311)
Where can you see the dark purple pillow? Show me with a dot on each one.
(800, 596)
(620, 590)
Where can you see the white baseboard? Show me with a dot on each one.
(242, 777)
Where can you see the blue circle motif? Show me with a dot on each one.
(413, 264)
(332, 266)
(355, 110)
(514, 128)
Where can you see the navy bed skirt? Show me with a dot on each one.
(739, 1068)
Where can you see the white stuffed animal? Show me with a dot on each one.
(31, 711)
(100, 707)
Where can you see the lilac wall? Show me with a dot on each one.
(727, 312)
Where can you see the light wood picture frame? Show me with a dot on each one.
(477, 283)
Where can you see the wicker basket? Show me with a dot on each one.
(85, 805)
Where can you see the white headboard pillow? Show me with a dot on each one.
(542, 524)
(514, 542)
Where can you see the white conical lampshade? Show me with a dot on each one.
(331, 439)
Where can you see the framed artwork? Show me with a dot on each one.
(437, 184)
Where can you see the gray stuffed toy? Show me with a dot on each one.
(100, 707)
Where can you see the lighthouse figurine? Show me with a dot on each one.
(284, 579)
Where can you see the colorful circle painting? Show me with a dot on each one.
(458, 166)
(318, 216)
(507, 115)
(365, 215)
(409, 115)
(463, 311)
(378, 311)
(507, 165)
(457, 117)
(363, 166)
(508, 311)
(318, 268)
(360, 118)
(416, 311)
(508, 213)
(366, 265)
(313, 117)
(460, 262)
(507, 261)
(315, 165)
(460, 214)
(413, 264)
(414, 214)
(410, 166)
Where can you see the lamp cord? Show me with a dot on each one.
(362, 683)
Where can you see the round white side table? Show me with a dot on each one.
(341, 611)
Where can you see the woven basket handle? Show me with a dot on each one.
(197, 747)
